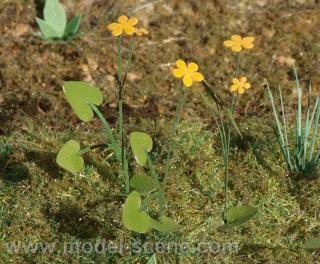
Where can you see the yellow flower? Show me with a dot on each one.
(239, 85)
(125, 25)
(189, 73)
(237, 43)
(141, 31)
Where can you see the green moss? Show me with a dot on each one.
(53, 205)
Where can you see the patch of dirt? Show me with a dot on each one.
(32, 71)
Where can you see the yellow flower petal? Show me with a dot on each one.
(236, 48)
(236, 38)
(247, 42)
(197, 76)
(123, 19)
(247, 45)
(228, 43)
(234, 87)
(246, 85)
(179, 73)
(187, 80)
(243, 79)
(181, 64)
(129, 30)
(235, 80)
(248, 39)
(133, 21)
(193, 67)
(113, 26)
(241, 90)
(117, 32)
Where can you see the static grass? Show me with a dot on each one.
(54, 206)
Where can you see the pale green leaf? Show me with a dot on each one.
(143, 183)
(69, 157)
(55, 16)
(239, 215)
(165, 225)
(133, 218)
(47, 31)
(141, 144)
(80, 95)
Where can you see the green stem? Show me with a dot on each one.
(173, 132)
(87, 149)
(114, 145)
(131, 48)
(227, 150)
(160, 188)
(120, 66)
(123, 164)
(124, 167)
(108, 129)
(211, 92)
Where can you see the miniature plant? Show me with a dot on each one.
(236, 215)
(189, 73)
(54, 26)
(134, 218)
(305, 157)
(85, 99)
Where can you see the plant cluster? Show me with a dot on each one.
(54, 25)
(85, 99)
(303, 155)
(144, 187)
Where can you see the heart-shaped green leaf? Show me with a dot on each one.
(152, 260)
(80, 95)
(133, 218)
(55, 16)
(143, 183)
(69, 157)
(238, 215)
(140, 144)
(165, 225)
(313, 243)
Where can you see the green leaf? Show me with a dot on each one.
(69, 157)
(46, 30)
(165, 225)
(140, 144)
(238, 215)
(80, 95)
(152, 260)
(73, 26)
(313, 243)
(55, 16)
(133, 218)
(142, 183)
